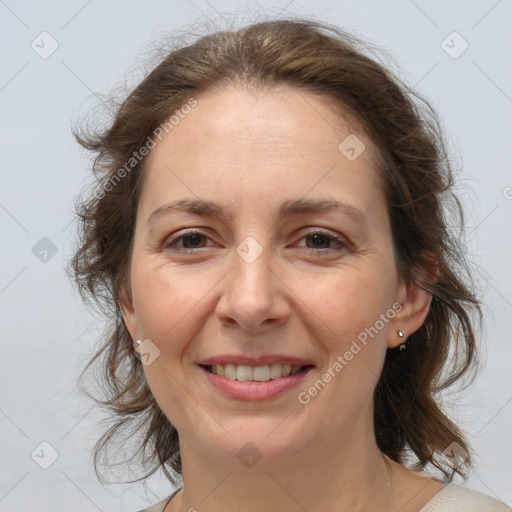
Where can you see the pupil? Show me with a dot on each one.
(317, 238)
(195, 239)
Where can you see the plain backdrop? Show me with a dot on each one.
(56, 56)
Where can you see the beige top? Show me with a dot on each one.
(451, 498)
(457, 498)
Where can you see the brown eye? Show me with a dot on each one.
(324, 242)
(318, 240)
(191, 241)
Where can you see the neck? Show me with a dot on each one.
(343, 473)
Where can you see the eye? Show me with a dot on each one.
(320, 239)
(320, 242)
(192, 241)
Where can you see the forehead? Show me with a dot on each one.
(238, 139)
(281, 114)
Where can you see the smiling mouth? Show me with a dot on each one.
(261, 373)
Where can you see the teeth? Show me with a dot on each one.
(243, 372)
(229, 371)
(262, 373)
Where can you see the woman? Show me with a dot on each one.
(269, 227)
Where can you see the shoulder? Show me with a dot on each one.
(457, 498)
(160, 506)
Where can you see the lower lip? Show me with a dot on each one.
(252, 390)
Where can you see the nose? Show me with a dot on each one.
(254, 295)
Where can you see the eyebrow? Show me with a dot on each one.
(292, 207)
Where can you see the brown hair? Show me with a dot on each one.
(312, 57)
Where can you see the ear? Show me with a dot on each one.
(128, 312)
(415, 304)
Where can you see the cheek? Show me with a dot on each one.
(356, 307)
(350, 302)
(355, 343)
(168, 308)
(164, 300)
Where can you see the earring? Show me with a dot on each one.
(403, 346)
(136, 349)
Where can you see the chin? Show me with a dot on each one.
(262, 442)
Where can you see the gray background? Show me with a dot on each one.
(47, 334)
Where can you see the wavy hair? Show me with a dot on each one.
(312, 57)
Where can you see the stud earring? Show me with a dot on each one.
(403, 346)
(136, 348)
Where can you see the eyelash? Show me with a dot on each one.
(342, 243)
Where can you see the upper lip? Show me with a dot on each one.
(256, 361)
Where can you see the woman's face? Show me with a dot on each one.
(262, 282)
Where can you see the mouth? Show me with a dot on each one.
(261, 373)
(250, 383)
